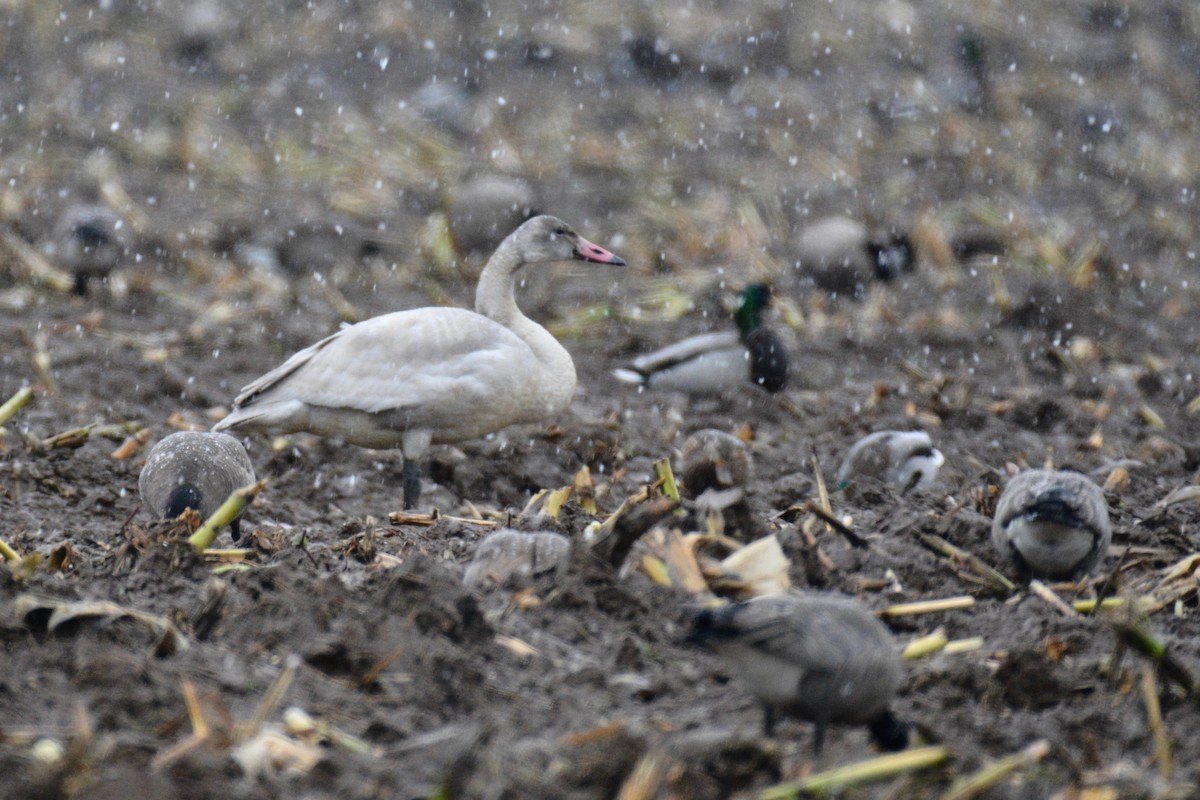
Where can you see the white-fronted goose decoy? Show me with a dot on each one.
(197, 470)
(429, 375)
(821, 658)
(906, 459)
(842, 256)
(1053, 524)
(715, 363)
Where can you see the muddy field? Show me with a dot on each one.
(281, 170)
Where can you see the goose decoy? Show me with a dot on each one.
(482, 211)
(506, 554)
(713, 459)
(820, 658)
(197, 470)
(1053, 524)
(713, 363)
(842, 256)
(906, 459)
(89, 242)
(429, 375)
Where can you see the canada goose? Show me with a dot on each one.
(429, 375)
(821, 658)
(906, 459)
(714, 363)
(1052, 524)
(197, 470)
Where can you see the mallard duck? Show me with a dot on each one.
(714, 363)
(1052, 523)
(821, 658)
(906, 459)
(197, 470)
(414, 378)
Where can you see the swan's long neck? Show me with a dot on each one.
(495, 298)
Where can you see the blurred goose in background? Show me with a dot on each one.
(714, 459)
(89, 242)
(1052, 524)
(821, 658)
(713, 363)
(482, 211)
(429, 375)
(843, 257)
(197, 470)
(906, 459)
(506, 555)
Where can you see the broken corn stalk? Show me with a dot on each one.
(15, 403)
(858, 774)
(991, 774)
(662, 471)
(227, 513)
(925, 645)
(8, 553)
(929, 606)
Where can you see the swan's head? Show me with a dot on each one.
(547, 238)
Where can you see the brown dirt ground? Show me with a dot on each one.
(1067, 145)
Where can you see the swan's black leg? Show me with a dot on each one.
(412, 483)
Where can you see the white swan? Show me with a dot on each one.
(429, 375)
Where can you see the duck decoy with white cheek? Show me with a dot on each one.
(197, 470)
(429, 375)
(906, 459)
(1052, 523)
(89, 242)
(715, 363)
(820, 658)
(842, 256)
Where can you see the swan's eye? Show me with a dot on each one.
(560, 231)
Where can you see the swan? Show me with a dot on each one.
(197, 470)
(1052, 523)
(429, 375)
(818, 657)
(714, 363)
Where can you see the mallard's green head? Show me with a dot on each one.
(755, 298)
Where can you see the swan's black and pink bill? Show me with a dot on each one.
(586, 251)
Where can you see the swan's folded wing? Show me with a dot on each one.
(392, 361)
(681, 351)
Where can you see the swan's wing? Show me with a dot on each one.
(685, 350)
(294, 362)
(392, 361)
